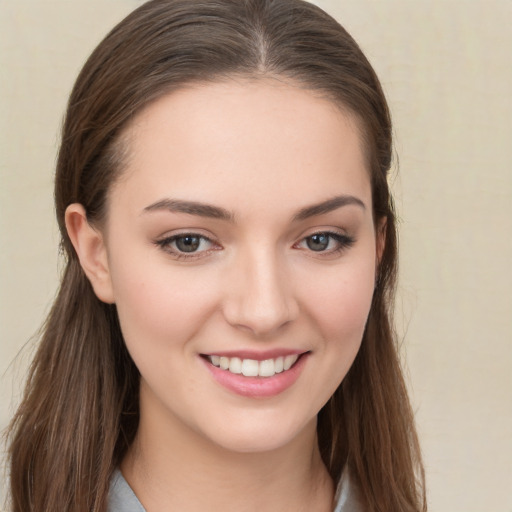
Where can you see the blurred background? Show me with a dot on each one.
(446, 68)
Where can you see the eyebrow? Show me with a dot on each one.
(191, 208)
(328, 206)
(216, 212)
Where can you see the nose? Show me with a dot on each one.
(259, 297)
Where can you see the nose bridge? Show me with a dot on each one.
(261, 298)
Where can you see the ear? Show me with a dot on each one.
(91, 250)
(380, 238)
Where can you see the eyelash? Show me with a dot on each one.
(343, 241)
(166, 243)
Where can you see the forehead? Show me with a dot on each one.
(238, 138)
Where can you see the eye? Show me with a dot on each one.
(326, 241)
(186, 245)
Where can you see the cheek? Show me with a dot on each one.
(157, 304)
(342, 302)
(339, 308)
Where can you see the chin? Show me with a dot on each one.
(252, 436)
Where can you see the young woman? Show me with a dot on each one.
(221, 339)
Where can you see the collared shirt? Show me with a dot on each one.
(123, 499)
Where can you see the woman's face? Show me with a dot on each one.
(240, 241)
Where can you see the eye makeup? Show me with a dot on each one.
(190, 245)
(328, 242)
(183, 246)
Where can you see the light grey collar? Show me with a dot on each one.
(121, 497)
(346, 495)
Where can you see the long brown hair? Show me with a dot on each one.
(79, 413)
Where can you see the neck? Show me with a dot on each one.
(171, 467)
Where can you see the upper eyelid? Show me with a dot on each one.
(333, 231)
(332, 234)
(327, 230)
(343, 239)
(173, 236)
(184, 233)
(164, 243)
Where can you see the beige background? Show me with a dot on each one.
(447, 71)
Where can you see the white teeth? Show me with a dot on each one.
(235, 365)
(267, 368)
(253, 368)
(289, 360)
(250, 368)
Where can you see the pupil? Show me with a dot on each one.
(318, 242)
(188, 243)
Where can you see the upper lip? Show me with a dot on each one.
(257, 355)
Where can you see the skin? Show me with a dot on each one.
(262, 151)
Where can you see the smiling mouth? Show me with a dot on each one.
(252, 367)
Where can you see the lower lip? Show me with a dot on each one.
(257, 387)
